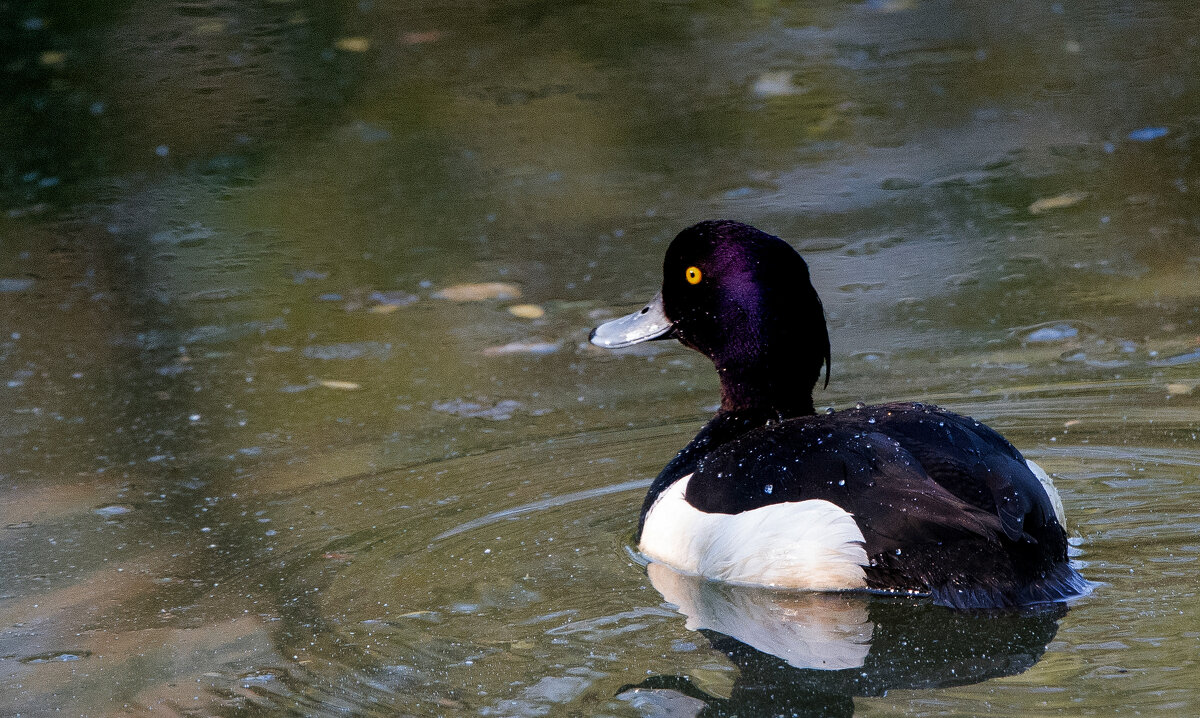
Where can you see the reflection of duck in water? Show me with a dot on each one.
(809, 654)
(823, 631)
(899, 497)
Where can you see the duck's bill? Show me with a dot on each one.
(649, 322)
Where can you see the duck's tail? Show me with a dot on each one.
(1061, 583)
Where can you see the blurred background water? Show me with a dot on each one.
(298, 415)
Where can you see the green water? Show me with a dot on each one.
(254, 462)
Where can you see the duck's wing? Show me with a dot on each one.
(971, 461)
(866, 473)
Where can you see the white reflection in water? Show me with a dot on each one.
(821, 631)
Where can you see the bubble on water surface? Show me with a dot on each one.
(62, 657)
(367, 133)
(1059, 201)
(777, 83)
(1176, 360)
(478, 292)
(353, 44)
(308, 275)
(499, 411)
(1145, 134)
(532, 347)
(112, 510)
(527, 311)
(340, 384)
(190, 235)
(9, 284)
(1051, 333)
(348, 350)
(392, 298)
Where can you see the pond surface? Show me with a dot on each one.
(297, 413)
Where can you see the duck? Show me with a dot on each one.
(902, 497)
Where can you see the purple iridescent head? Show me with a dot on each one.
(742, 298)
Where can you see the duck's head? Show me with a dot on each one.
(742, 298)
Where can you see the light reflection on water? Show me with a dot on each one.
(257, 456)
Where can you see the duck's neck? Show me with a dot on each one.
(785, 391)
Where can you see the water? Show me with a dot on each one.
(297, 413)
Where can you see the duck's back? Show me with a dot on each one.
(968, 458)
(944, 504)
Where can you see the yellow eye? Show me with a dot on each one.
(693, 275)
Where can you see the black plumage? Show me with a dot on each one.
(946, 505)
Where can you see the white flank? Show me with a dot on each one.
(1052, 492)
(821, 631)
(799, 544)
